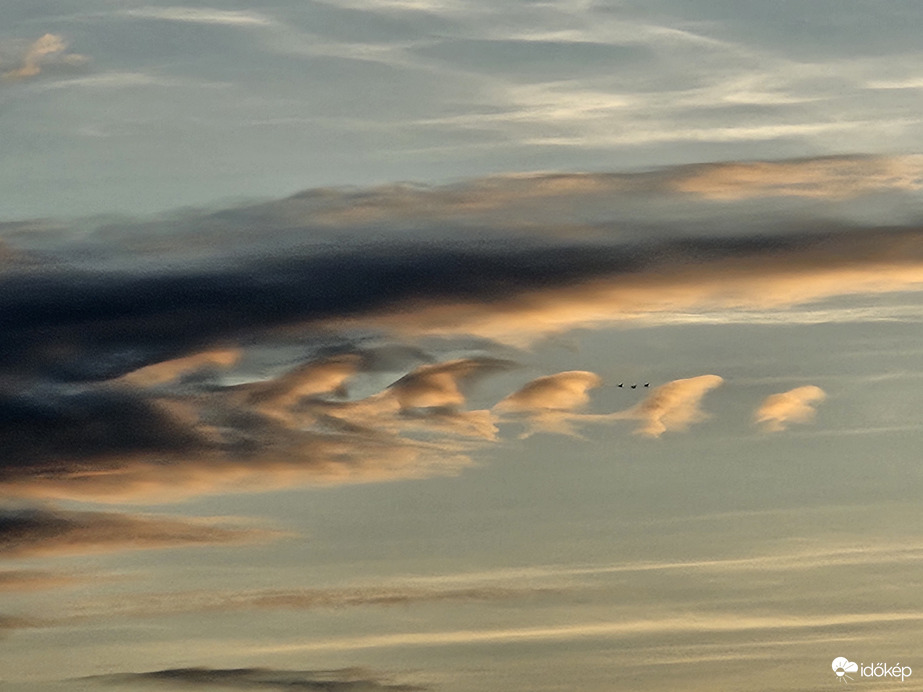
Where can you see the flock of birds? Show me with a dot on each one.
(634, 386)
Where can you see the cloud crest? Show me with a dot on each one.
(674, 406)
(796, 406)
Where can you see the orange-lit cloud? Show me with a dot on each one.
(798, 405)
(548, 402)
(440, 385)
(276, 460)
(759, 282)
(80, 345)
(278, 396)
(167, 446)
(168, 370)
(532, 200)
(564, 391)
(45, 51)
(833, 177)
(427, 400)
(673, 406)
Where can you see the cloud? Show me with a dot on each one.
(44, 426)
(690, 623)
(43, 532)
(563, 391)
(831, 178)
(108, 444)
(29, 580)
(764, 275)
(279, 396)
(98, 325)
(427, 402)
(9, 622)
(545, 203)
(119, 346)
(547, 402)
(147, 605)
(48, 51)
(673, 406)
(257, 457)
(344, 680)
(200, 15)
(165, 371)
(440, 385)
(517, 257)
(797, 405)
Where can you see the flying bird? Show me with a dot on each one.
(647, 384)
(634, 386)
(620, 384)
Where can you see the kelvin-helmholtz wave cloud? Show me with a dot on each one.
(286, 342)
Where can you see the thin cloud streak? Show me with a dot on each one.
(34, 580)
(783, 562)
(344, 680)
(199, 15)
(42, 532)
(174, 602)
(693, 623)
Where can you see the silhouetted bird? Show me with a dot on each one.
(620, 384)
(647, 384)
(634, 386)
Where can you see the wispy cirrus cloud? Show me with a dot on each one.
(199, 15)
(697, 622)
(384, 595)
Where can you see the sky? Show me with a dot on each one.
(392, 345)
